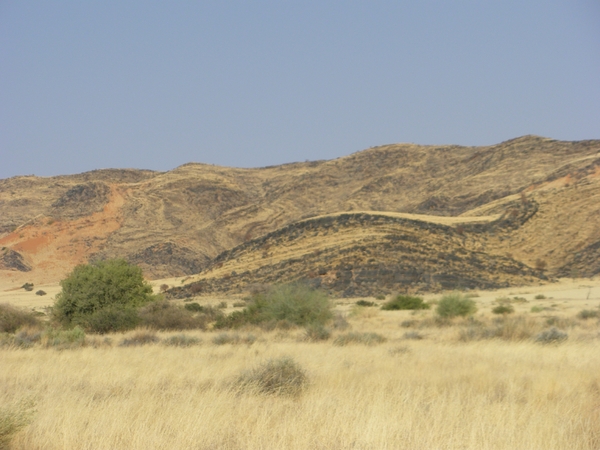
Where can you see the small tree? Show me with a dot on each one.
(91, 289)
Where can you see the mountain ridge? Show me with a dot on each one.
(175, 223)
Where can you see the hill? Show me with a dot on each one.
(176, 223)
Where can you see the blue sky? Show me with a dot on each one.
(141, 84)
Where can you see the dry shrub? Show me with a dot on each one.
(518, 328)
(316, 333)
(142, 337)
(281, 376)
(233, 338)
(181, 340)
(359, 338)
(551, 336)
(163, 315)
(12, 318)
(340, 322)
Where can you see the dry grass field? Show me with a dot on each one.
(481, 383)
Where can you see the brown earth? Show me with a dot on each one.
(175, 223)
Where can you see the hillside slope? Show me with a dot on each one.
(174, 223)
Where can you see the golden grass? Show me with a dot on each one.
(436, 393)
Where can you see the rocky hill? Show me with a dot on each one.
(176, 223)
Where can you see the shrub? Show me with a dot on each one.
(111, 319)
(140, 338)
(588, 314)
(540, 297)
(403, 302)
(12, 419)
(413, 335)
(455, 304)
(195, 307)
(63, 339)
(40, 292)
(408, 323)
(28, 286)
(239, 304)
(551, 336)
(506, 328)
(181, 340)
(27, 337)
(316, 333)
(222, 305)
(380, 297)
(536, 309)
(164, 287)
(359, 338)
(11, 318)
(162, 315)
(503, 309)
(104, 284)
(365, 303)
(226, 338)
(281, 376)
(296, 304)
(340, 322)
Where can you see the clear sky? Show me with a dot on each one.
(142, 84)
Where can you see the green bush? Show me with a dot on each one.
(403, 302)
(11, 318)
(503, 309)
(540, 297)
(94, 287)
(455, 304)
(297, 304)
(194, 307)
(364, 303)
(281, 376)
(63, 339)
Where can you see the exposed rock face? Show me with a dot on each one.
(11, 260)
(168, 258)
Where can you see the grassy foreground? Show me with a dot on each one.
(404, 393)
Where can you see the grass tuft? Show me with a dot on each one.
(359, 338)
(282, 377)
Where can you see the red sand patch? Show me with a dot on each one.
(54, 249)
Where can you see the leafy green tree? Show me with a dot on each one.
(92, 290)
